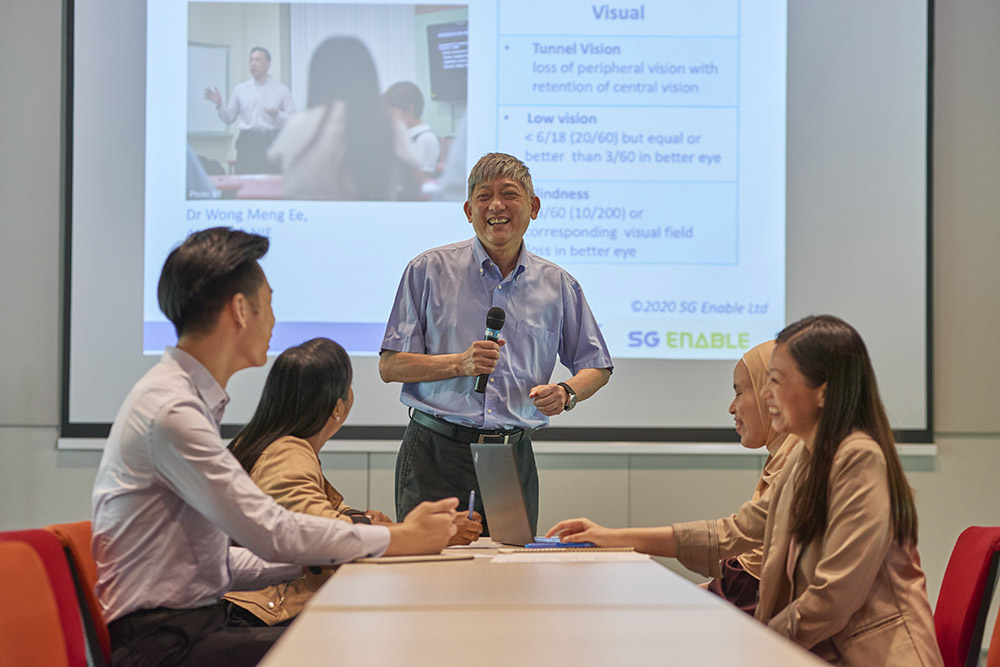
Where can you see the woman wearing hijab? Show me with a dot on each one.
(345, 145)
(740, 579)
(841, 574)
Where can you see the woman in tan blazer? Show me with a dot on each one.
(841, 573)
(306, 399)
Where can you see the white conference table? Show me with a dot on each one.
(485, 613)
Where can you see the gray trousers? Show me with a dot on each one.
(430, 466)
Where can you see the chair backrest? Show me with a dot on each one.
(75, 538)
(965, 595)
(39, 615)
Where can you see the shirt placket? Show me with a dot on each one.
(496, 387)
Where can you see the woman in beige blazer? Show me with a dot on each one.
(306, 399)
(841, 573)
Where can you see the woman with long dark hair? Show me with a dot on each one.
(841, 573)
(345, 145)
(306, 399)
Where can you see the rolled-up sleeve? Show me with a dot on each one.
(581, 344)
(404, 332)
(701, 545)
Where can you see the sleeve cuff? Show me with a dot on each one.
(697, 544)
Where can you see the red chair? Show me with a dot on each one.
(75, 539)
(964, 599)
(40, 621)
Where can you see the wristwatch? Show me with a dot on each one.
(571, 396)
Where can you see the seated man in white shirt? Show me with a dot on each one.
(170, 500)
(406, 103)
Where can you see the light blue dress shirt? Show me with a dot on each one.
(441, 307)
(169, 496)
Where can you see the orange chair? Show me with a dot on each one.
(993, 655)
(964, 598)
(40, 621)
(75, 538)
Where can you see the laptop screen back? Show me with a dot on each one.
(500, 488)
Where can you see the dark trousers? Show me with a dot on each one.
(736, 585)
(189, 637)
(430, 466)
(251, 152)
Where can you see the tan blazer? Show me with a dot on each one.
(290, 472)
(854, 596)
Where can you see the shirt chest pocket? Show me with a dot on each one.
(533, 352)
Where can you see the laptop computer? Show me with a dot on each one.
(501, 492)
(503, 497)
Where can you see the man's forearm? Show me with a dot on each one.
(413, 367)
(588, 381)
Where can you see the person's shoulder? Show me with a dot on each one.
(445, 253)
(287, 449)
(167, 383)
(549, 270)
(861, 450)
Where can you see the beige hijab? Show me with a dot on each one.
(778, 444)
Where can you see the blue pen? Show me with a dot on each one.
(472, 502)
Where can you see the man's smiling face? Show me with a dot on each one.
(500, 211)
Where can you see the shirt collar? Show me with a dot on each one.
(209, 389)
(481, 257)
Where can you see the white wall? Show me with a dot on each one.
(40, 485)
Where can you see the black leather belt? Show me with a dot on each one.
(463, 434)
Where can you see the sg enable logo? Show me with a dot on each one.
(713, 340)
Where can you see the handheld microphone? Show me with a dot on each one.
(494, 322)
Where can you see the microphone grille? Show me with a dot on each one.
(495, 318)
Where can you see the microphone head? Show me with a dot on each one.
(495, 318)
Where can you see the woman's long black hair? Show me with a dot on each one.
(827, 349)
(300, 393)
(342, 70)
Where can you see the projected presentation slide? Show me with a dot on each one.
(655, 135)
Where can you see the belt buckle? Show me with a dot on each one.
(493, 439)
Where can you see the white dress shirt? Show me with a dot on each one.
(249, 101)
(169, 499)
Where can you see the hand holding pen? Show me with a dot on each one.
(468, 524)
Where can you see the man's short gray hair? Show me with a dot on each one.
(495, 165)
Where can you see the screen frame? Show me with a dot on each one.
(77, 429)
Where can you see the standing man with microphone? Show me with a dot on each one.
(434, 344)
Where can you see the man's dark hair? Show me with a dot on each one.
(267, 54)
(405, 95)
(205, 272)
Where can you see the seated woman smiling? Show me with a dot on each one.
(306, 399)
(740, 579)
(841, 574)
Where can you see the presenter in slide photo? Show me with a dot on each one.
(262, 106)
(434, 344)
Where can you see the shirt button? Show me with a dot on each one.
(491, 379)
(270, 605)
(489, 412)
(499, 286)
